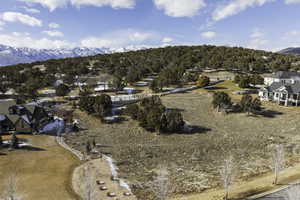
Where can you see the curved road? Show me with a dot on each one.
(279, 195)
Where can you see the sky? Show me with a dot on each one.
(269, 25)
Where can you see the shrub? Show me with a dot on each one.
(133, 111)
(250, 105)
(171, 121)
(153, 116)
(203, 81)
(221, 100)
(244, 82)
(62, 90)
(14, 142)
(100, 105)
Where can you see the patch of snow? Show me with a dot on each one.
(114, 171)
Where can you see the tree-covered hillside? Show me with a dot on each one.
(169, 62)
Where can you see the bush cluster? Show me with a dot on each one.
(99, 105)
(154, 116)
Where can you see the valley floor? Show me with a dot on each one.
(194, 159)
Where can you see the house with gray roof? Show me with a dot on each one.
(283, 77)
(22, 118)
(282, 92)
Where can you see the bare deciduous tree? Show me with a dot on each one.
(278, 161)
(161, 185)
(89, 183)
(293, 193)
(11, 188)
(227, 174)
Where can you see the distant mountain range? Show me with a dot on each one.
(12, 55)
(292, 50)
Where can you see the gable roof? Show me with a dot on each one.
(26, 119)
(30, 108)
(286, 75)
(4, 106)
(291, 88)
(2, 117)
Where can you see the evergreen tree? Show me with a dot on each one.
(203, 81)
(221, 100)
(250, 105)
(88, 147)
(14, 141)
(1, 141)
(62, 90)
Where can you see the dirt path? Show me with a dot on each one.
(99, 170)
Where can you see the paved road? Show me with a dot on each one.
(276, 196)
(280, 195)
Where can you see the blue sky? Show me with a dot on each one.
(259, 24)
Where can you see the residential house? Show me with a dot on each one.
(23, 125)
(6, 124)
(283, 77)
(103, 86)
(22, 118)
(282, 88)
(40, 118)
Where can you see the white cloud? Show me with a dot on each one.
(119, 39)
(292, 1)
(257, 33)
(209, 34)
(17, 39)
(31, 10)
(291, 35)
(51, 4)
(258, 40)
(54, 33)
(234, 7)
(116, 4)
(167, 40)
(54, 25)
(180, 8)
(22, 18)
(54, 4)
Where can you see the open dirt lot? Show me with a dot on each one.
(194, 159)
(43, 172)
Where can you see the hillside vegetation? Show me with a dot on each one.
(170, 63)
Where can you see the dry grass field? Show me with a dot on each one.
(194, 159)
(43, 173)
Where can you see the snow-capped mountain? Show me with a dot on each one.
(11, 55)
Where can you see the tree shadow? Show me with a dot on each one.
(26, 148)
(190, 130)
(216, 88)
(194, 129)
(31, 148)
(269, 113)
(176, 109)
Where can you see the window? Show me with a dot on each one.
(295, 96)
